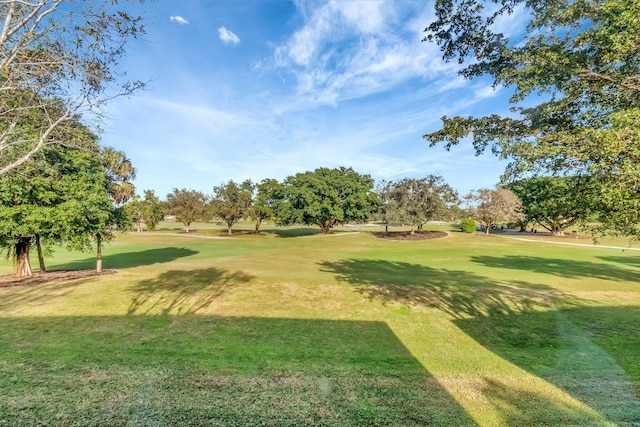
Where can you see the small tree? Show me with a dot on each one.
(326, 198)
(417, 201)
(186, 205)
(493, 206)
(231, 202)
(269, 193)
(119, 173)
(151, 211)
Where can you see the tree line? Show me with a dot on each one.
(80, 199)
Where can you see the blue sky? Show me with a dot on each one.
(254, 89)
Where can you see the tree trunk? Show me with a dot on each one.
(412, 229)
(43, 268)
(229, 230)
(558, 231)
(186, 227)
(99, 254)
(487, 228)
(258, 226)
(139, 226)
(22, 264)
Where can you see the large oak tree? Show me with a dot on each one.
(555, 202)
(326, 198)
(575, 76)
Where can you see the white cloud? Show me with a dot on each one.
(227, 36)
(178, 19)
(348, 50)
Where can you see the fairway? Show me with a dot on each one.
(294, 328)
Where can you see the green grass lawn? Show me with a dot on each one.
(291, 327)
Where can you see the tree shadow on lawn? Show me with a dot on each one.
(29, 295)
(455, 292)
(519, 322)
(590, 352)
(291, 232)
(183, 291)
(130, 259)
(568, 268)
(631, 261)
(204, 370)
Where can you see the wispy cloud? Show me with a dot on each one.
(178, 19)
(227, 36)
(348, 50)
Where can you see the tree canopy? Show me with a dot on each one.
(268, 194)
(231, 202)
(60, 195)
(576, 101)
(327, 197)
(491, 207)
(58, 59)
(416, 201)
(186, 205)
(554, 202)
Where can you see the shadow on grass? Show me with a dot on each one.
(29, 295)
(183, 292)
(591, 353)
(631, 261)
(519, 322)
(457, 293)
(206, 370)
(130, 259)
(291, 232)
(571, 269)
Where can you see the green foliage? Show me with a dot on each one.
(326, 197)
(119, 172)
(231, 201)
(151, 211)
(58, 59)
(555, 203)
(269, 192)
(584, 59)
(468, 225)
(186, 205)
(417, 201)
(61, 194)
(145, 211)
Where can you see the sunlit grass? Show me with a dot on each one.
(291, 327)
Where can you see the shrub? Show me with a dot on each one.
(468, 225)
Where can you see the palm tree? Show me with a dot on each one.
(119, 172)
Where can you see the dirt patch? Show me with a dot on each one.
(38, 278)
(406, 235)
